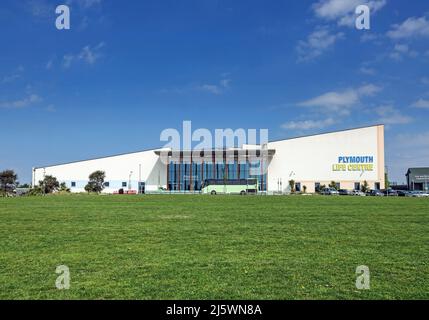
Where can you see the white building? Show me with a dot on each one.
(347, 157)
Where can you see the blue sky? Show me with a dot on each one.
(129, 69)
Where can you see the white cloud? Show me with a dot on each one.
(368, 90)
(87, 54)
(211, 88)
(40, 8)
(67, 60)
(421, 103)
(368, 37)
(414, 140)
(390, 115)
(402, 50)
(410, 28)
(341, 101)
(90, 55)
(10, 78)
(308, 124)
(86, 4)
(343, 11)
(50, 108)
(216, 89)
(22, 103)
(89, 3)
(425, 81)
(367, 71)
(16, 74)
(333, 100)
(50, 64)
(317, 43)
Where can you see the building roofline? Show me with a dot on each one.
(154, 149)
(96, 158)
(328, 132)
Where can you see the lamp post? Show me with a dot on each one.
(129, 181)
(386, 180)
(43, 181)
(140, 180)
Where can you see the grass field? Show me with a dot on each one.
(204, 247)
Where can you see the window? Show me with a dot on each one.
(298, 187)
(377, 186)
(124, 184)
(317, 186)
(338, 185)
(73, 184)
(357, 185)
(107, 184)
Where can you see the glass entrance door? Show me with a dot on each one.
(142, 187)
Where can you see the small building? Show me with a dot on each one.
(418, 179)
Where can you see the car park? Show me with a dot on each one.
(358, 193)
(330, 192)
(375, 193)
(404, 193)
(344, 192)
(419, 194)
(390, 193)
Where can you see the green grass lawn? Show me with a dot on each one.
(205, 247)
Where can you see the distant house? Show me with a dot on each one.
(418, 179)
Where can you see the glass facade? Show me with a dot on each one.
(189, 176)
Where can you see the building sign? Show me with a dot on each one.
(354, 163)
(422, 178)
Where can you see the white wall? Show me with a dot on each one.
(117, 170)
(306, 160)
(310, 159)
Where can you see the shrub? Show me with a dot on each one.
(96, 182)
(292, 186)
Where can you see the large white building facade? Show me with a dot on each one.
(348, 157)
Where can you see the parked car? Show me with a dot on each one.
(375, 193)
(358, 193)
(344, 192)
(404, 193)
(419, 194)
(330, 192)
(390, 193)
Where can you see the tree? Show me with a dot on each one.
(49, 184)
(7, 180)
(304, 188)
(387, 182)
(365, 187)
(333, 185)
(292, 186)
(63, 187)
(96, 182)
(36, 191)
